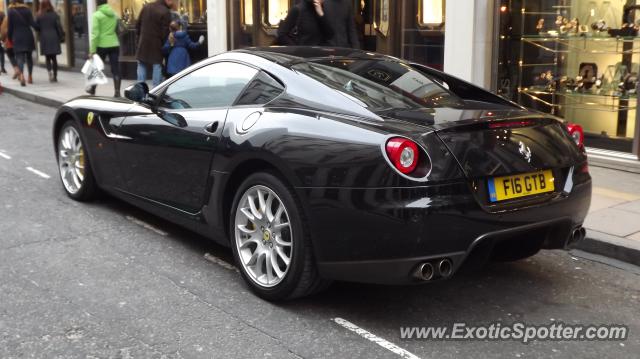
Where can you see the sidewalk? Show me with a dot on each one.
(69, 85)
(613, 223)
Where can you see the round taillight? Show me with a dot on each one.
(576, 133)
(403, 154)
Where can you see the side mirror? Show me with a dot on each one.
(137, 92)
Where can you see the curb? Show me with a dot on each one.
(46, 101)
(610, 246)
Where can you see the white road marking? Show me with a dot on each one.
(376, 339)
(39, 173)
(213, 259)
(147, 226)
(5, 156)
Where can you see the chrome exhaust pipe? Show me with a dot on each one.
(424, 271)
(577, 235)
(445, 267)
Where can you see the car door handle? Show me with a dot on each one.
(212, 127)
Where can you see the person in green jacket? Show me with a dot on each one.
(104, 42)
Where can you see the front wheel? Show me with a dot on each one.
(73, 164)
(270, 241)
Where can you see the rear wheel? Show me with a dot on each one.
(270, 242)
(73, 164)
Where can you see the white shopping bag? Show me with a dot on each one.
(92, 71)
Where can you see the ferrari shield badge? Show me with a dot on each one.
(89, 118)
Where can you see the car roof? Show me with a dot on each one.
(287, 55)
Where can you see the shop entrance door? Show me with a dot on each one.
(78, 33)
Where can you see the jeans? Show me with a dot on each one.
(156, 76)
(22, 58)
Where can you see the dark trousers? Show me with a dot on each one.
(52, 63)
(1, 57)
(113, 54)
(12, 57)
(23, 57)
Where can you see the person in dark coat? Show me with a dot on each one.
(2, 69)
(20, 24)
(51, 36)
(177, 49)
(305, 25)
(7, 44)
(153, 29)
(341, 17)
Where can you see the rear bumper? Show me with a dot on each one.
(381, 235)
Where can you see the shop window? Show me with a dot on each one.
(381, 16)
(431, 13)
(273, 12)
(193, 11)
(246, 12)
(578, 60)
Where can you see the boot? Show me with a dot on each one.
(21, 79)
(16, 72)
(50, 76)
(91, 90)
(3, 71)
(55, 75)
(30, 80)
(116, 85)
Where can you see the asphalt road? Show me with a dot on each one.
(107, 280)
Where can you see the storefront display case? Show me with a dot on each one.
(575, 59)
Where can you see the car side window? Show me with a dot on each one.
(215, 85)
(261, 90)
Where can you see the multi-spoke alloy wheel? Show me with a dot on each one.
(71, 159)
(73, 164)
(263, 236)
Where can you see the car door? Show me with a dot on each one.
(167, 150)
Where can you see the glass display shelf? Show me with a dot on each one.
(583, 44)
(581, 100)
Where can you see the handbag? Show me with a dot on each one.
(121, 28)
(292, 37)
(61, 34)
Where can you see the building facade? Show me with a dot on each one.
(577, 59)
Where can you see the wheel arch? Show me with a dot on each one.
(63, 115)
(241, 171)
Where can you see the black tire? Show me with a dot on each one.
(302, 278)
(88, 189)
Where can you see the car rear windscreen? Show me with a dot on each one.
(380, 85)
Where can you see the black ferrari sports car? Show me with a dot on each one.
(317, 164)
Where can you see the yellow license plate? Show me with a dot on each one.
(526, 184)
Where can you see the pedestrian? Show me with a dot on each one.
(20, 24)
(8, 45)
(2, 69)
(79, 22)
(177, 48)
(51, 36)
(153, 29)
(104, 42)
(342, 20)
(305, 25)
